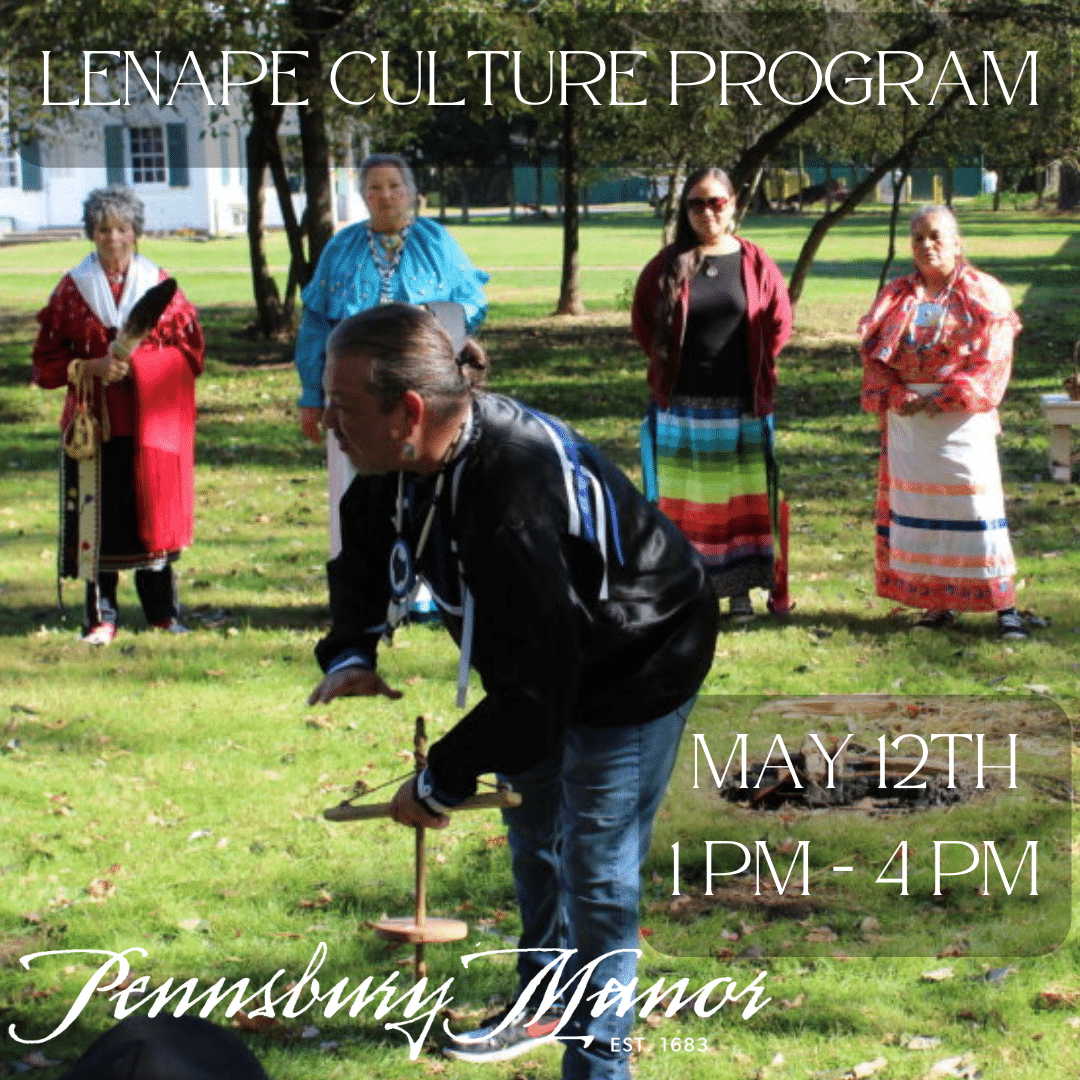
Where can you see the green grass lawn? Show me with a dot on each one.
(167, 793)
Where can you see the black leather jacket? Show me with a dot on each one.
(590, 606)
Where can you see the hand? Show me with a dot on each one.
(926, 403)
(405, 810)
(311, 422)
(109, 368)
(352, 681)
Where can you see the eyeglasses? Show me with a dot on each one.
(716, 203)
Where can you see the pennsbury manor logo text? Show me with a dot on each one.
(417, 1005)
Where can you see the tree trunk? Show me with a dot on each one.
(898, 189)
(770, 141)
(857, 194)
(270, 123)
(511, 192)
(317, 155)
(270, 321)
(1069, 187)
(570, 286)
(742, 205)
(671, 202)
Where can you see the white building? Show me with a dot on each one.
(190, 171)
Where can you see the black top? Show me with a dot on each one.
(590, 606)
(714, 360)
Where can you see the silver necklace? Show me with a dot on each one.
(386, 254)
(404, 582)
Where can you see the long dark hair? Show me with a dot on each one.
(684, 256)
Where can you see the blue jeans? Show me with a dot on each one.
(577, 843)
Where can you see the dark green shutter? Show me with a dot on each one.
(30, 152)
(178, 160)
(114, 154)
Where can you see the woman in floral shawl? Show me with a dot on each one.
(937, 353)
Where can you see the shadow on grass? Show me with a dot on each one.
(16, 620)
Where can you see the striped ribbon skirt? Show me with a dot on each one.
(709, 466)
(942, 535)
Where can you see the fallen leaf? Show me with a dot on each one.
(215, 673)
(37, 1060)
(963, 1066)
(868, 1068)
(255, 1023)
(100, 889)
(1055, 997)
(937, 975)
(952, 950)
(920, 1042)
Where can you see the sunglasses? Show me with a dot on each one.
(717, 204)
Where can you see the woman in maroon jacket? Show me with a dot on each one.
(711, 312)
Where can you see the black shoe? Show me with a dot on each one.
(519, 1036)
(936, 620)
(741, 609)
(1011, 625)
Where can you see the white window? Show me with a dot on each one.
(226, 176)
(9, 170)
(147, 155)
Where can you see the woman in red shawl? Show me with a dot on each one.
(131, 505)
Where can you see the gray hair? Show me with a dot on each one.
(114, 201)
(935, 210)
(409, 350)
(396, 161)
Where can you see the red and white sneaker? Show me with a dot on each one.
(102, 634)
(489, 1043)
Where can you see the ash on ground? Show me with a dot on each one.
(856, 782)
